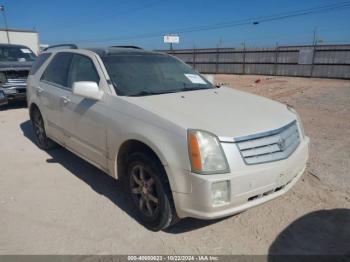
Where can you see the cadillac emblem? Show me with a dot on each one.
(281, 143)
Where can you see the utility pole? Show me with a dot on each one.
(315, 37)
(2, 9)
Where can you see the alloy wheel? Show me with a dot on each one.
(143, 190)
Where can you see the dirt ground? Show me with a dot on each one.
(56, 203)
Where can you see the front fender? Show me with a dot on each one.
(170, 148)
(127, 121)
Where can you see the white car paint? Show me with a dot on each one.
(96, 129)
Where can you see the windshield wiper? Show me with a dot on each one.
(148, 93)
(190, 87)
(193, 88)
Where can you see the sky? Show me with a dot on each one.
(126, 22)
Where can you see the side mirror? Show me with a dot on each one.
(87, 89)
(210, 78)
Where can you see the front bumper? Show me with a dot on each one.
(12, 93)
(248, 186)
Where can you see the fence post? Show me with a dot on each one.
(243, 58)
(276, 58)
(217, 61)
(194, 58)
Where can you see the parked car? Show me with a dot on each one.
(15, 63)
(181, 146)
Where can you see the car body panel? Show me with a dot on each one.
(224, 112)
(259, 181)
(84, 126)
(129, 122)
(51, 99)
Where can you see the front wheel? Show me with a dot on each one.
(149, 192)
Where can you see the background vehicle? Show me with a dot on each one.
(18, 36)
(15, 63)
(182, 147)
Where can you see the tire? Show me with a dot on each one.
(42, 141)
(148, 192)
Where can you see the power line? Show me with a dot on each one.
(335, 41)
(272, 16)
(230, 24)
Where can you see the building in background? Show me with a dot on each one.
(29, 38)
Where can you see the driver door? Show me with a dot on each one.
(83, 119)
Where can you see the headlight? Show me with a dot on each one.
(205, 152)
(291, 109)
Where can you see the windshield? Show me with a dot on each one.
(150, 74)
(15, 54)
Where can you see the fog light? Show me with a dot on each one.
(220, 192)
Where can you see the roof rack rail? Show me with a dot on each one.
(69, 46)
(127, 46)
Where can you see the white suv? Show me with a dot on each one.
(181, 146)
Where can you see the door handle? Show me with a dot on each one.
(39, 91)
(65, 99)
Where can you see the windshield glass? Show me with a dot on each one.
(150, 74)
(15, 54)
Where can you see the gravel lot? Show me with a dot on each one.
(56, 203)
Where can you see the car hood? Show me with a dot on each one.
(15, 65)
(226, 112)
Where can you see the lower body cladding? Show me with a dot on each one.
(221, 195)
(12, 94)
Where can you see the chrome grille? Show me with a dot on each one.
(15, 83)
(269, 146)
(16, 79)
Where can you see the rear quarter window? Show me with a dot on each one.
(39, 61)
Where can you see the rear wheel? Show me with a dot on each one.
(41, 139)
(149, 192)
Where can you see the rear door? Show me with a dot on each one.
(55, 92)
(84, 118)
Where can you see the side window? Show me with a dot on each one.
(57, 70)
(82, 69)
(39, 62)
